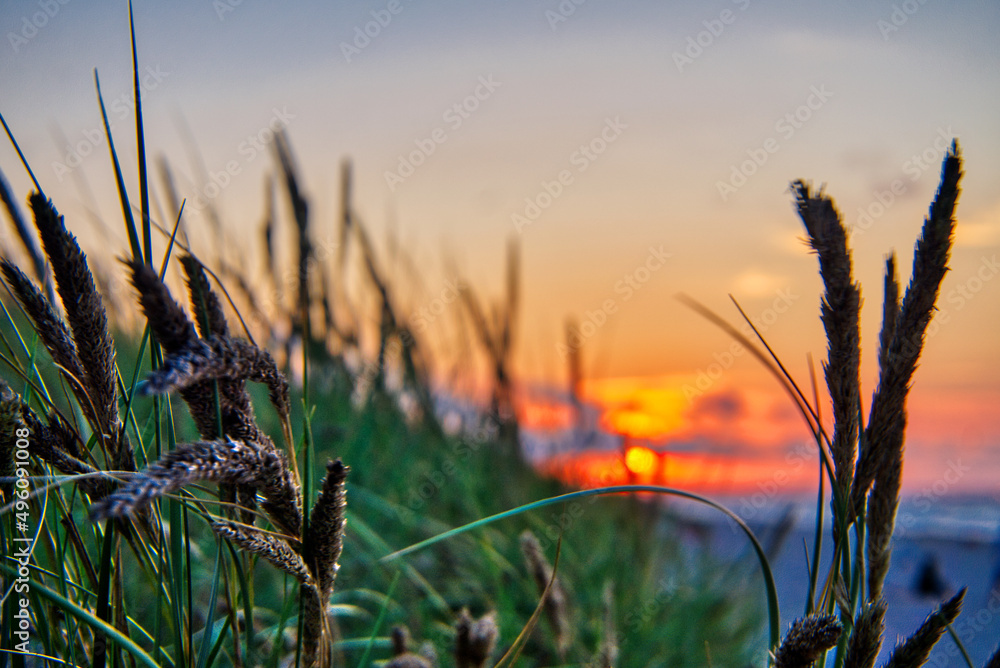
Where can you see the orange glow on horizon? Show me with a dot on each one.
(744, 442)
(545, 415)
(638, 408)
(713, 474)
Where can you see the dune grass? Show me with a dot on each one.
(342, 523)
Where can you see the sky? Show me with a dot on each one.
(634, 151)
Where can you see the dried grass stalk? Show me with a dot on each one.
(930, 263)
(556, 603)
(807, 640)
(211, 319)
(408, 660)
(228, 461)
(475, 640)
(10, 422)
(401, 656)
(58, 341)
(316, 649)
(176, 334)
(866, 638)
(220, 358)
(277, 550)
(235, 405)
(841, 316)
(88, 322)
(890, 310)
(324, 540)
(400, 638)
(881, 462)
(50, 328)
(300, 211)
(607, 655)
(54, 443)
(167, 320)
(346, 211)
(23, 233)
(882, 506)
(916, 649)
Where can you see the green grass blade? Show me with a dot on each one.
(772, 593)
(961, 647)
(286, 608)
(29, 353)
(817, 544)
(140, 143)
(517, 646)
(104, 593)
(246, 588)
(206, 640)
(133, 235)
(378, 622)
(70, 608)
(217, 647)
(370, 536)
(20, 154)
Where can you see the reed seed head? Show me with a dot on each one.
(807, 640)
(840, 314)
(228, 461)
(556, 604)
(277, 550)
(475, 639)
(915, 650)
(866, 638)
(898, 360)
(324, 540)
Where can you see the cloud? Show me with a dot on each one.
(754, 283)
(980, 230)
(726, 405)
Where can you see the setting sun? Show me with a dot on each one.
(640, 460)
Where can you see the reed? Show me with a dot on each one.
(475, 639)
(916, 649)
(550, 587)
(840, 313)
(807, 640)
(866, 638)
(868, 497)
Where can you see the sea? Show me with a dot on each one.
(938, 548)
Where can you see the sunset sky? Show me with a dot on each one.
(635, 150)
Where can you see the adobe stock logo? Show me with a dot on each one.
(119, 108)
(723, 361)
(697, 44)
(786, 126)
(629, 284)
(363, 35)
(454, 116)
(582, 158)
(38, 20)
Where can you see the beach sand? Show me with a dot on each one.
(971, 562)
